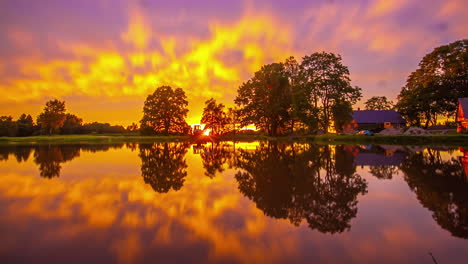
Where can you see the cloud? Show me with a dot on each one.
(121, 52)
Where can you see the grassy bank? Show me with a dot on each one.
(110, 138)
(446, 140)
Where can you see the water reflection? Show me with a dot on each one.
(214, 157)
(441, 187)
(226, 197)
(163, 165)
(302, 182)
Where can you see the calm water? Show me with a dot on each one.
(242, 203)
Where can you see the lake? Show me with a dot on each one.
(258, 202)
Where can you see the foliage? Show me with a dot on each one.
(164, 112)
(53, 116)
(378, 103)
(433, 89)
(102, 128)
(265, 99)
(72, 125)
(25, 126)
(328, 84)
(214, 117)
(132, 128)
(341, 113)
(7, 126)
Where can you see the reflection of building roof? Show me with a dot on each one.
(377, 116)
(464, 106)
(375, 159)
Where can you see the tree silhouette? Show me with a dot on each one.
(434, 87)
(164, 112)
(329, 87)
(302, 183)
(265, 99)
(50, 157)
(441, 187)
(214, 117)
(163, 165)
(53, 116)
(378, 103)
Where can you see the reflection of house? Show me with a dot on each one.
(377, 159)
(375, 119)
(462, 115)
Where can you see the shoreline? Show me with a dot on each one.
(416, 140)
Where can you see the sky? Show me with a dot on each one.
(103, 57)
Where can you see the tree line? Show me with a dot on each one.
(55, 120)
(316, 95)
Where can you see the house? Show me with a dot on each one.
(374, 119)
(462, 115)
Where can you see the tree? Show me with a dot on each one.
(328, 84)
(25, 125)
(433, 88)
(233, 119)
(53, 116)
(265, 99)
(7, 126)
(378, 103)
(164, 112)
(72, 124)
(300, 110)
(132, 128)
(214, 117)
(341, 113)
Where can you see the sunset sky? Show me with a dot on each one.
(103, 57)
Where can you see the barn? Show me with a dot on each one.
(462, 115)
(375, 120)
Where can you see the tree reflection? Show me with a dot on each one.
(163, 165)
(214, 156)
(50, 157)
(302, 182)
(441, 187)
(21, 153)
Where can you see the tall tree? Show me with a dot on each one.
(53, 116)
(214, 116)
(25, 125)
(164, 112)
(265, 99)
(300, 110)
(378, 103)
(329, 84)
(433, 89)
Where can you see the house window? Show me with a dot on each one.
(387, 125)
